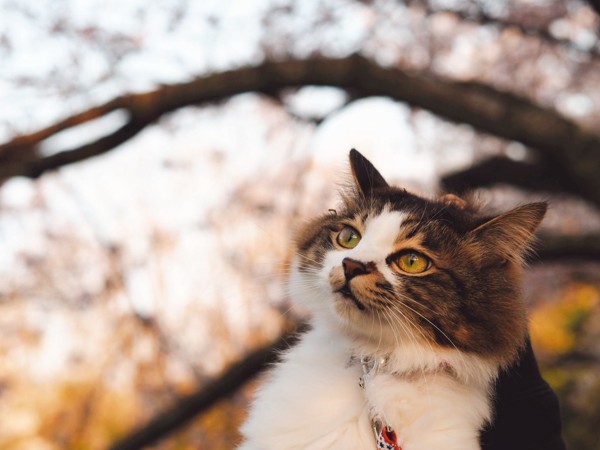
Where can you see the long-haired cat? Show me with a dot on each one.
(416, 307)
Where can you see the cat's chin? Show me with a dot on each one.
(344, 296)
(355, 320)
(349, 308)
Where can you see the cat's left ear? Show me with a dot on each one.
(366, 176)
(508, 237)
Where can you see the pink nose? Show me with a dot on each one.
(353, 268)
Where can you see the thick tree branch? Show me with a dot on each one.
(189, 407)
(555, 247)
(533, 176)
(568, 147)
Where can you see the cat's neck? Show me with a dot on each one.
(408, 358)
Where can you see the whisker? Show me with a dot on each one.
(460, 354)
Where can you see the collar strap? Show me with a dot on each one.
(372, 366)
(385, 436)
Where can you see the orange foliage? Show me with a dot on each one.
(555, 325)
(76, 415)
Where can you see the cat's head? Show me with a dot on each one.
(392, 267)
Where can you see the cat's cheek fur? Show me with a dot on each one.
(310, 291)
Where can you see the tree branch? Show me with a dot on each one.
(189, 407)
(531, 176)
(567, 146)
(557, 247)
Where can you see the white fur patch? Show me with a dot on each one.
(378, 239)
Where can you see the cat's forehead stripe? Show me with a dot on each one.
(411, 226)
(380, 234)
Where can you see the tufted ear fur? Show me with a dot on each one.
(366, 176)
(508, 237)
(454, 200)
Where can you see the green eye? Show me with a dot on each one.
(413, 263)
(348, 237)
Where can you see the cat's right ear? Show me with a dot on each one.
(366, 176)
(509, 235)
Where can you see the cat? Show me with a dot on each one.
(416, 307)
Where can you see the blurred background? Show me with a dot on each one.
(156, 157)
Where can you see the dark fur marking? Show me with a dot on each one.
(383, 285)
(459, 285)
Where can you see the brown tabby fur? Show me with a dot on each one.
(471, 297)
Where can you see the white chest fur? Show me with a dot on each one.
(313, 401)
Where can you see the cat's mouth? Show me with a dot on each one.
(347, 293)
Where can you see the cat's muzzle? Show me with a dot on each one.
(346, 291)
